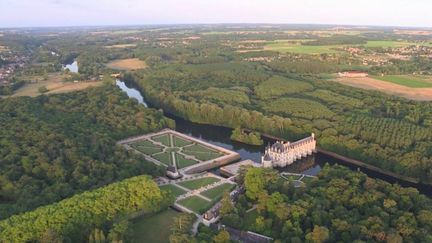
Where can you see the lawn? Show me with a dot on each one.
(175, 190)
(292, 177)
(127, 64)
(153, 228)
(164, 158)
(201, 182)
(217, 192)
(164, 139)
(183, 162)
(202, 153)
(406, 80)
(308, 179)
(147, 150)
(196, 204)
(180, 142)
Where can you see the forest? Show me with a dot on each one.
(52, 147)
(388, 132)
(76, 219)
(339, 205)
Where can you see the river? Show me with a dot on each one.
(220, 136)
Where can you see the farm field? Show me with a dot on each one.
(196, 204)
(422, 94)
(284, 46)
(54, 84)
(407, 80)
(121, 46)
(217, 192)
(127, 64)
(198, 183)
(153, 228)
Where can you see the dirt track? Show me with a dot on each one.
(422, 94)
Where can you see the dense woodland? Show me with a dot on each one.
(54, 146)
(89, 215)
(338, 206)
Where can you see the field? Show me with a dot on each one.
(391, 44)
(54, 84)
(424, 94)
(202, 153)
(3, 48)
(127, 64)
(407, 80)
(153, 228)
(198, 183)
(196, 204)
(217, 192)
(296, 47)
(121, 46)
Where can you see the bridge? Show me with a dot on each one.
(282, 154)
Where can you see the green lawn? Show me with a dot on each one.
(164, 139)
(406, 80)
(180, 142)
(145, 143)
(153, 228)
(292, 177)
(147, 150)
(201, 152)
(175, 190)
(164, 158)
(217, 192)
(183, 162)
(196, 204)
(307, 179)
(197, 183)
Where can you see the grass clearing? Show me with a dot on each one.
(153, 228)
(196, 204)
(121, 46)
(217, 192)
(250, 218)
(175, 190)
(406, 80)
(127, 64)
(198, 183)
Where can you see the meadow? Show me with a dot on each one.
(154, 228)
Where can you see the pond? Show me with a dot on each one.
(73, 67)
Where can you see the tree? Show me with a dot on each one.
(227, 206)
(222, 237)
(319, 234)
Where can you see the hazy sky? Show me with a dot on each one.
(122, 12)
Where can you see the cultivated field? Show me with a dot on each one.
(54, 84)
(407, 80)
(422, 94)
(127, 64)
(297, 47)
(121, 46)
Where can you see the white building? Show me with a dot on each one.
(282, 154)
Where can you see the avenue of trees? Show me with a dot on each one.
(338, 206)
(52, 147)
(72, 219)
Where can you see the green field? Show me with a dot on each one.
(196, 204)
(249, 219)
(183, 162)
(217, 192)
(153, 228)
(393, 44)
(283, 46)
(164, 139)
(195, 184)
(406, 80)
(175, 190)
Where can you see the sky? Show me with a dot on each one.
(35, 13)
